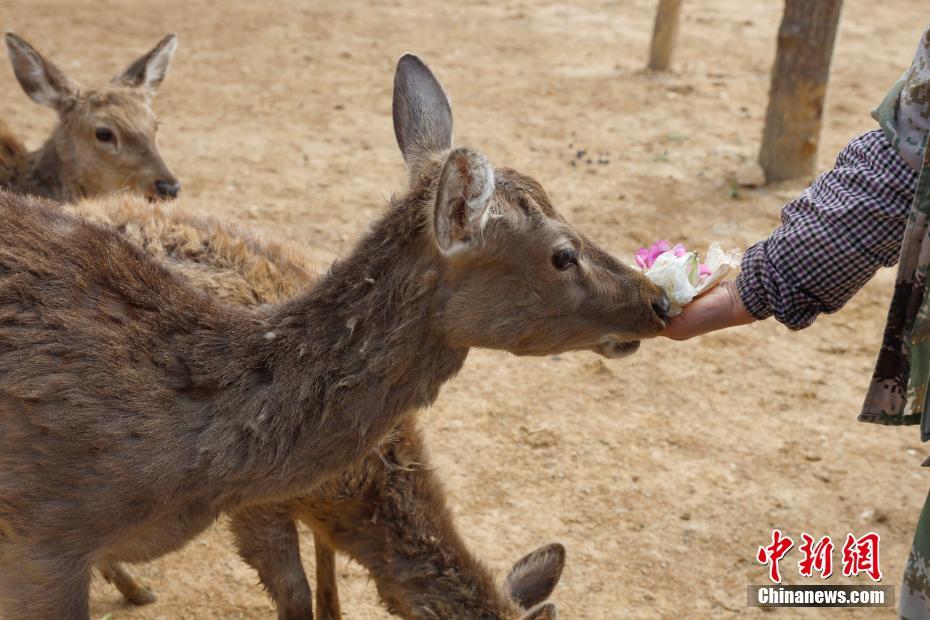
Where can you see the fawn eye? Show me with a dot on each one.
(104, 135)
(564, 259)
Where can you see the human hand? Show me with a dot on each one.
(719, 308)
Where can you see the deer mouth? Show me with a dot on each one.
(614, 348)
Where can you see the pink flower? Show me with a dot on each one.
(704, 270)
(646, 257)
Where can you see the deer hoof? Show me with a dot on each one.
(142, 596)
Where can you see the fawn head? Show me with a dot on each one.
(106, 136)
(519, 276)
(533, 578)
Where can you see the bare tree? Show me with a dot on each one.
(664, 33)
(799, 87)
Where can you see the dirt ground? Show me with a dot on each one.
(661, 473)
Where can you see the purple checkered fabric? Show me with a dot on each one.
(833, 237)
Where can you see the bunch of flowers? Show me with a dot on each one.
(681, 274)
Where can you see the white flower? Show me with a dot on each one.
(677, 276)
(682, 276)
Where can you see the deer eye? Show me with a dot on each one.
(565, 259)
(104, 135)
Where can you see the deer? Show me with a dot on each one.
(105, 138)
(136, 409)
(389, 513)
(236, 286)
(104, 142)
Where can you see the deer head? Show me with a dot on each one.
(106, 136)
(519, 276)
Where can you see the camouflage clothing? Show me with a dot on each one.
(898, 392)
(914, 601)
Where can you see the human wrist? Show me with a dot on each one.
(738, 314)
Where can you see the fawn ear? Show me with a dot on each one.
(543, 612)
(422, 113)
(534, 577)
(150, 69)
(43, 81)
(466, 185)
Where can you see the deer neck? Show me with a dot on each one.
(400, 519)
(344, 363)
(47, 173)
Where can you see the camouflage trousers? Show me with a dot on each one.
(899, 393)
(914, 603)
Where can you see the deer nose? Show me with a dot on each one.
(167, 189)
(662, 306)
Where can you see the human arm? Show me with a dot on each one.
(832, 240)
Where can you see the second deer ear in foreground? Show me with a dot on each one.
(134, 409)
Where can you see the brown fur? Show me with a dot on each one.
(73, 162)
(13, 157)
(135, 409)
(328, 606)
(389, 513)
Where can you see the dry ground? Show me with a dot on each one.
(661, 473)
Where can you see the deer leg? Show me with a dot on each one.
(41, 583)
(327, 592)
(134, 592)
(267, 539)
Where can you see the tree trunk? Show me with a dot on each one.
(799, 87)
(664, 33)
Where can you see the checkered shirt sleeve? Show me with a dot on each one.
(833, 237)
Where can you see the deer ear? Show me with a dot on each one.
(543, 612)
(150, 69)
(466, 185)
(534, 577)
(422, 113)
(43, 81)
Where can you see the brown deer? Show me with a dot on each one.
(105, 138)
(209, 267)
(388, 513)
(104, 143)
(135, 409)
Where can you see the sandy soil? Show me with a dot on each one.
(661, 473)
